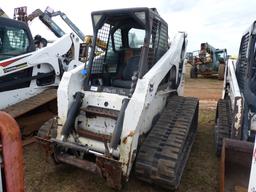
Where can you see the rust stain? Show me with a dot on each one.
(131, 134)
(92, 135)
(111, 170)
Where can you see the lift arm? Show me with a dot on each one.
(68, 22)
(3, 14)
(20, 13)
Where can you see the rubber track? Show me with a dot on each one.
(163, 155)
(223, 124)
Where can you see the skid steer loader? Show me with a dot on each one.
(124, 109)
(25, 71)
(236, 116)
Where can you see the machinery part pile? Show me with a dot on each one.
(163, 155)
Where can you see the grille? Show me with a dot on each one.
(112, 57)
(242, 65)
(163, 42)
(103, 36)
(118, 39)
(159, 42)
(17, 39)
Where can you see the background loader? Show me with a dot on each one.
(25, 71)
(208, 61)
(29, 76)
(124, 108)
(236, 116)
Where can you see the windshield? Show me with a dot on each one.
(13, 42)
(136, 38)
(221, 56)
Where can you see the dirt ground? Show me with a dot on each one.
(200, 175)
(206, 89)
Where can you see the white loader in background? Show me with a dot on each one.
(29, 76)
(235, 128)
(25, 71)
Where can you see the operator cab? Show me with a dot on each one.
(221, 55)
(15, 38)
(127, 43)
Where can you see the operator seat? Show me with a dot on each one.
(127, 73)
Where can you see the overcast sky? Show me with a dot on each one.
(220, 23)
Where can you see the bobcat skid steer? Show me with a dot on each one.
(235, 128)
(26, 72)
(125, 109)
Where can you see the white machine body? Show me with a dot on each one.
(60, 56)
(145, 103)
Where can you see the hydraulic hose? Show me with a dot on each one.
(72, 113)
(119, 126)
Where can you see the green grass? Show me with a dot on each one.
(201, 172)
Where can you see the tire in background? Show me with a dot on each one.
(221, 71)
(193, 72)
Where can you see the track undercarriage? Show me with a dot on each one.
(163, 155)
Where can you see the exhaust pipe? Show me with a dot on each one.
(12, 154)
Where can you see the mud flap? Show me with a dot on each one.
(235, 165)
